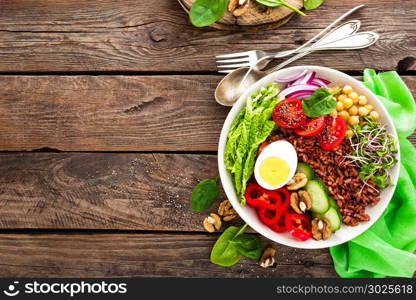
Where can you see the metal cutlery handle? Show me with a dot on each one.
(338, 33)
(326, 29)
(356, 41)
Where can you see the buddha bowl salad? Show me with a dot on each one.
(309, 157)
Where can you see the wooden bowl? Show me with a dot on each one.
(258, 17)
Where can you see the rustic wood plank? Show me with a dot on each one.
(112, 113)
(109, 113)
(126, 35)
(142, 255)
(101, 190)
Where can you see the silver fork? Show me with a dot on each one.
(229, 62)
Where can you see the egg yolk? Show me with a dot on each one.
(274, 170)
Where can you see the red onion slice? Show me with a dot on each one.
(292, 77)
(320, 82)
(300, 94)
(323, 80)
(304, 88)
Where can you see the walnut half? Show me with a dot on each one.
(226, 211)
(238, 7)
(267, 259)
(300, 201)
(212, 222)
(321, 229)
(298, 181)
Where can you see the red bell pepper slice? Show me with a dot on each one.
(256, 196)
(280, 225)
(271, 216)
(299, 226)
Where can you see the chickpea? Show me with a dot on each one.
(362, 111)
(374, 115)
(333, 113)
(353, 96)
(344, 114)
(362, 100)
(347, 89)
(353, 110)
(341, 97)
(347, 103)
(353, 120)
(340, 106)
(349, 133)
(369, 107)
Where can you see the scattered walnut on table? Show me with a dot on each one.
(226, 211)
(238, 7)
(267, 259)
(212, 223)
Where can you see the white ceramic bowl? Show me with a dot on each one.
(346, 233)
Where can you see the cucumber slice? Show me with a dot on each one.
(332, 202)
(305, 169)
(334, 218)
(317, 191)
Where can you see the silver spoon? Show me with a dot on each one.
(230, 87)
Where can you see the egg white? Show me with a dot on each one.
(285, 151)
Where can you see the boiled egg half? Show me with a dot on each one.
(276, 165)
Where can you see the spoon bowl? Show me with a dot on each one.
(229, 89)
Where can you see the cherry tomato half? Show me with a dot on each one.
(288, 113)
(333, 133)
(312, 127)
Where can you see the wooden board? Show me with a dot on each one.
(129, 36)
(142, 255)
(112, 113)
(258, 17)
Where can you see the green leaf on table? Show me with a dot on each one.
(232, 244)
(248, 245)
(320, 103)
(207, 12)
(312, 4)
(274, 3)
(224, 253)
(204, 194)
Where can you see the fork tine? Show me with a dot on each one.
(237, 60)
(235, 66)
(233, 55)
(225, 71)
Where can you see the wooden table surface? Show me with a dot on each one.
(107, 120)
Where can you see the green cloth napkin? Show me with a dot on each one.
(387, 248)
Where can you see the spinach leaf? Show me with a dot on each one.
(274, 3)
(320, 103)
(207, 12)
(204, 194)
(248, 245)
(312, 4)
(224, 253)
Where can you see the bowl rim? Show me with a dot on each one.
(229, 188)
